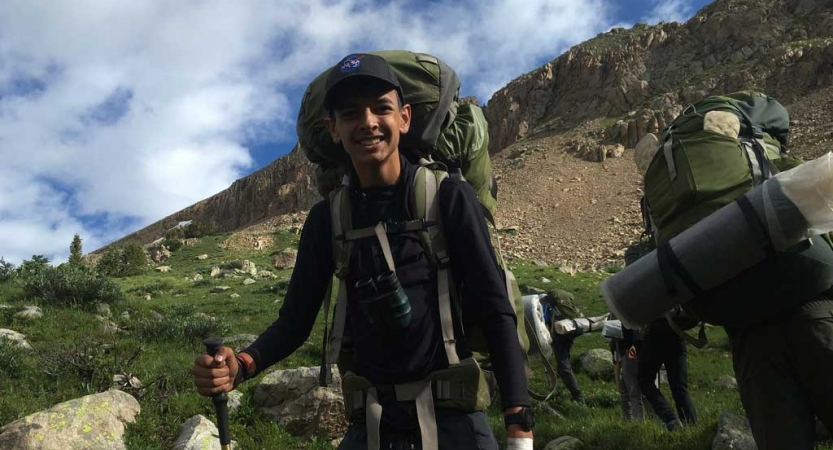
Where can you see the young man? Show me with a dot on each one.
(367, 116)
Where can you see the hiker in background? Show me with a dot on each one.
(662, 346)
(562, 306)
(625, 371)
(397, 335)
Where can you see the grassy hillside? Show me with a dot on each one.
(74, 357)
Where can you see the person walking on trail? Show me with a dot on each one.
(401, 394)
(562, 306)
(662, 346)
(625, 371)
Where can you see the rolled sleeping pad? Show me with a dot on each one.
(612, 329)
(579, 326)
(534, 314)
(705, 268)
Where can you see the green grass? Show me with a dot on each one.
(169, 397)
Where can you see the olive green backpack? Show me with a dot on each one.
(716, 150)
(441, 129)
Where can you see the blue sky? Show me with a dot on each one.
(115, 114)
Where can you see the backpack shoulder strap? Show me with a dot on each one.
(341, 223)
(425, 204)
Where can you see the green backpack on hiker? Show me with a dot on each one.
(441, 129)
(715, 151)
(562, 304)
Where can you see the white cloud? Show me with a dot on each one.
(130, 111)
(669, 11)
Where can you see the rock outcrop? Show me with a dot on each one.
(284, 186)
(93, 422)
(644, 75)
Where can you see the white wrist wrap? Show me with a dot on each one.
(519, 444)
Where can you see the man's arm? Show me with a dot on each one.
(307, 287)
(485, 300)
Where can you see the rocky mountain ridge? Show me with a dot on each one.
(558, 132)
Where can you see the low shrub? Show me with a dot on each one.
(182, 323)
(70, 285)
(93, 363)
(156, 288)
(12, 358)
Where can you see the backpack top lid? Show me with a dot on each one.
(563, 305)
(429, 85)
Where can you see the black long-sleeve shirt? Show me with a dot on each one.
(419, 350)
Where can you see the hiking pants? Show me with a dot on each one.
(455, 430)
(630, 381)
(561, 346)
(784, 376)
(669, 349)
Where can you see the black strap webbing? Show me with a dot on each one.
(756, 227)
(669, 262)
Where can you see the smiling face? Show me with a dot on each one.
(368, 121)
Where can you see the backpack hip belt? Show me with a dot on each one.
(461, 387)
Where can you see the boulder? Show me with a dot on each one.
(215, 272)
(294, 400)
(219, 289)
(201, 257)
(14, 338)
(29, 313)
(285, 259)
(248, 281)
(733, 433)
(564, 443)
(92, 422)
(163, 269)
(199, 433)
(597, 363)
(726, 382)
(103, 309)
(108, 327)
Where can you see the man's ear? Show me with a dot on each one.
(406, 119)
(331, 127)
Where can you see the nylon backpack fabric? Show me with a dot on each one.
(442, 130)
(716, 150)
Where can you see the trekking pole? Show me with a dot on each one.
(212, 345)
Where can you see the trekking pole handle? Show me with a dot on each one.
(212, 345)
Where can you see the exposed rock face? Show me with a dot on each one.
(91, 422)
(733, 432)
(284, 186)
(294, 399)
(648, 72)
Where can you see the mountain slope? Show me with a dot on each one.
(550, 127)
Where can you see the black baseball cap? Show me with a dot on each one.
(360, 65)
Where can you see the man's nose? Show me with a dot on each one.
(369, 119)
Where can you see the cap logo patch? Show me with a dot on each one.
(351, 63)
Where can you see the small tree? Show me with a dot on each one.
(125, 261)
(134, 259)
(75, 252)
(7, 270)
